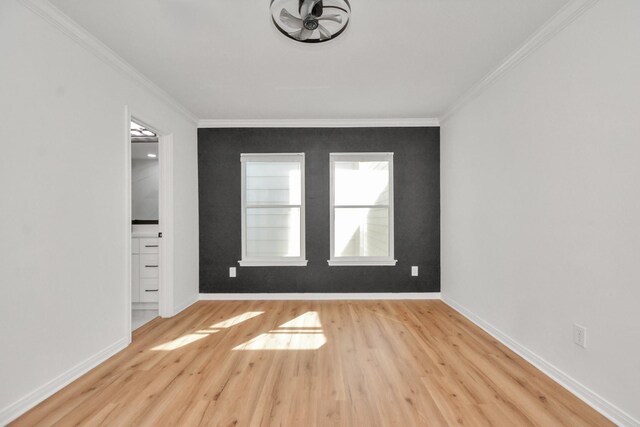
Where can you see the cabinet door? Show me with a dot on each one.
(135, 278)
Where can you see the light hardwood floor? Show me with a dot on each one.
(296, 363)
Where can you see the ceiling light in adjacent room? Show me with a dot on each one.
(153, 156)
(311, 21)
(140, 133)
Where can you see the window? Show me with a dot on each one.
(361, 209)
(272, 210)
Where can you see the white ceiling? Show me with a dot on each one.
(224, 59)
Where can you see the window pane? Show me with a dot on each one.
(361, 232)
(272, 183)
(361, 183)
(273, 232)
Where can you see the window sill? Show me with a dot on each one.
(362, 263)
(292, 263)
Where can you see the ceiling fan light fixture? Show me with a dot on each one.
(311, 21)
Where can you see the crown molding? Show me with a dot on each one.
(318, 123)
(565, 16)
(77, 33)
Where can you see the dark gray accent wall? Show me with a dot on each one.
(416, 197)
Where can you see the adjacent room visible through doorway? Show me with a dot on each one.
(145, 225)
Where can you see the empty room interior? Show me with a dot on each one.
(320, 213)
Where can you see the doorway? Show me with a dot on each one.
(149, 216)
(145, 224)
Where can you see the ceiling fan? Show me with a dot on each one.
(311, 21)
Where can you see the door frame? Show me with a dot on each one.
(165, 217)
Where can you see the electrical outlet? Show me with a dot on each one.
(232, 272)
(414, 270)
(580, 335)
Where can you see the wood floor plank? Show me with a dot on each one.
(314, 363)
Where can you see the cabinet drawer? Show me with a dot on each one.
(149, 246)
(149, 266)
(148, 290)
(135, 246)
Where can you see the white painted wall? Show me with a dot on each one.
(145, 191)
(541, 202)
(62, 202)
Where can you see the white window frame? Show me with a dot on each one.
(361, 260)
(299, 261)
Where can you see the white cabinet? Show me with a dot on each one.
(135, 277)
(135, 246)
(145, 270)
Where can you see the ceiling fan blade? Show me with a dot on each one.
(290, 20)
(324, 33)
(302, 34)
(334, 18)
(305, 34)
(307, 7)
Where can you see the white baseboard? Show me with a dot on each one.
(321, 296)
(592, 399)
(27, 402)
(188, 303)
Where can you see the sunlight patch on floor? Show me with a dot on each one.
(236, 320)
(180, 342)
(302, 333)
(198, 335)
